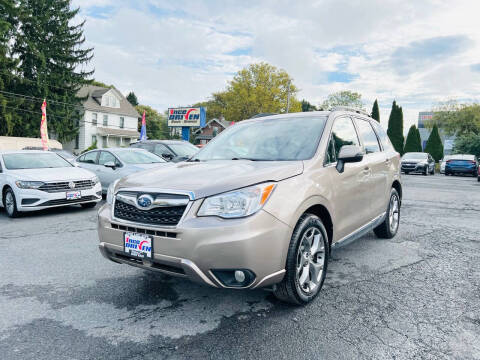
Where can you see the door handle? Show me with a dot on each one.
(366, 169)
(387, 161)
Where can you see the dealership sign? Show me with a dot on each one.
(190, 117)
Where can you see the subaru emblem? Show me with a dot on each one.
(145, 201)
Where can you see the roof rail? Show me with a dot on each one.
(350, 108)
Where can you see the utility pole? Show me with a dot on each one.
(288, 95)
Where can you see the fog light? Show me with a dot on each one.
(239, 276)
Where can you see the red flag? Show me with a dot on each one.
(143, 130)
(43, 126)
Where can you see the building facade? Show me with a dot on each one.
(109, 120)
(210, 130)
(423, 118)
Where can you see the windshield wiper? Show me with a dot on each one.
(250, 159)
(193, 160)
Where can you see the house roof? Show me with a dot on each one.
(222, 122)
(92, 93)
(117, 132)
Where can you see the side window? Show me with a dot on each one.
(382, 135)
(370, 141)
(105, 157)
(89, 158)
(343, 133)
(161, 149)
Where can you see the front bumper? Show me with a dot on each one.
(45, 200)
(414, 168)
(198, 245)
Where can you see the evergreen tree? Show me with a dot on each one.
(413, 142)
(132, 98)
(50, 51)
(375, 111)
(8, 102)
(434, 144)
(395, 127)
(306, 106)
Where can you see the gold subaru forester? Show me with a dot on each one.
(261, 205)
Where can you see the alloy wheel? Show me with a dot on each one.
(9, 203)
(310, 260)
(394, 213)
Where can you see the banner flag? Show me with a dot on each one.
(43, 126)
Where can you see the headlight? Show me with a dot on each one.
(95, 180)
(111, 192)
(28, 184)
(238, 203)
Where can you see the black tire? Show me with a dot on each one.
(11, 211)
(406, 172)
(88, 205)
(478, 179)
(289, 290)
(432, 172)
(384, 230)
(425, 172)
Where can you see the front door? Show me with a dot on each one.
(350, 191)
(107, 175)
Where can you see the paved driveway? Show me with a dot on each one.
(417, 295)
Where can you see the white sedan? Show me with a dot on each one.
(34, 180)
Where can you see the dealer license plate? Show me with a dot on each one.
(74, 195)
(138, 245)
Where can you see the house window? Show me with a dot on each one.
(94, 139)
(122, 122)
(104, 142)
(94, 119)
(105, 120)
(126, 141)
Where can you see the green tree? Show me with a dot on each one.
(395, 127)
(49, 47)
(434, 144)
(306, 106)
(156, 123)
(459, 119)
(8, 81)
(375, 111)
(101, 84)
(132, 98)
(413, 142)
(467, 144)
(342, 98)
(258, 88)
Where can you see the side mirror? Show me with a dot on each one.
(167, 156)
(348, 154)
(110, 164)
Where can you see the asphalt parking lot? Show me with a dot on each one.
(415, 296)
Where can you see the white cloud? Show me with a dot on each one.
(178, 53)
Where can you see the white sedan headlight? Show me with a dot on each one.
(237, 203)
(95, 180)
(111, 192)
(28, 184)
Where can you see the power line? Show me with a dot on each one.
(32, 98)
(33, 81)
(61, 117)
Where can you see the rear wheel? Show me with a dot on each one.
(389, 227)
(10, 203)
(307, 261)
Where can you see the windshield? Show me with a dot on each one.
(412, 156)
(294, 138)
(183, 150)
(138, 157)
(63, 153)
(34, 161)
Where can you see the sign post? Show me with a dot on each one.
(186, 118)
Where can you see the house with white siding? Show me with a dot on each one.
(109, 120)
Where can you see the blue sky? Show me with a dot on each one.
(178, 52)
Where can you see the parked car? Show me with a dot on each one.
(114, 163)
(169, 150)
(34, 180)
(462, 164)
(418, 162)
(443, 162)
(67, 155)
(261, 205)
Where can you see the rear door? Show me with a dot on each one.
(350, 196)
(377, 163)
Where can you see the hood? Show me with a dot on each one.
(140, 167)
(53, 174)
(212, 177)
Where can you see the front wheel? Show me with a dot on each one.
(307, 261)
(389, 227)
(10, 203)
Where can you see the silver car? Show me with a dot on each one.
(114, 163)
